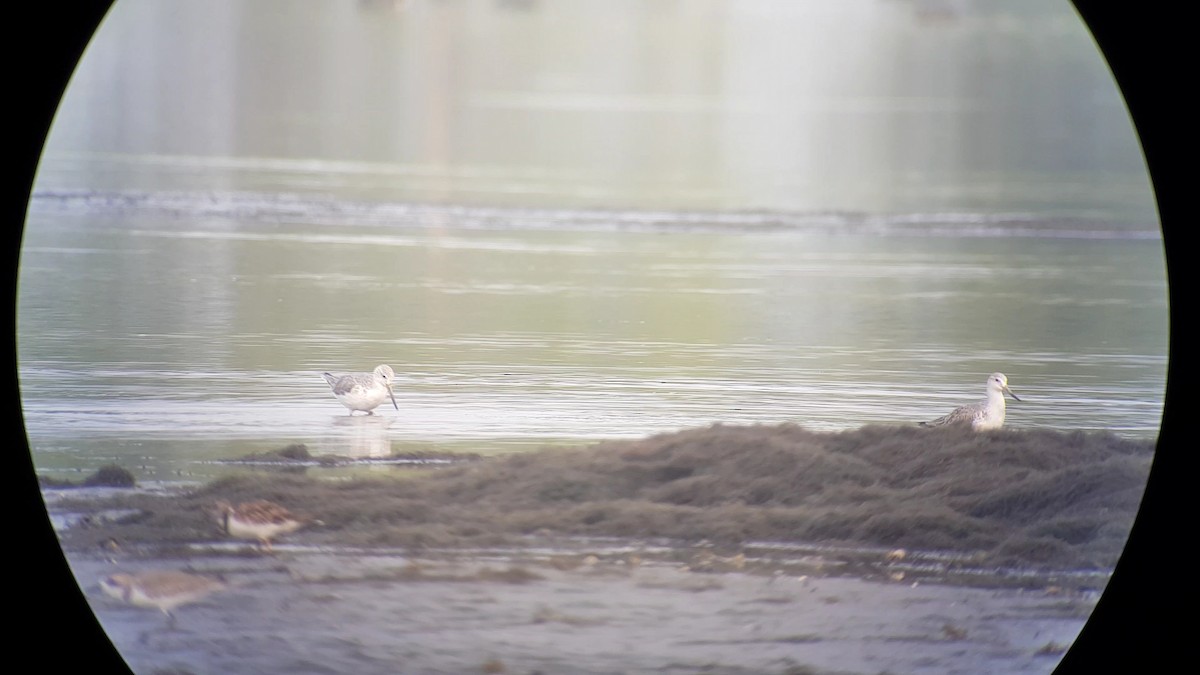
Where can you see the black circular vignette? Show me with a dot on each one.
(1134, 626)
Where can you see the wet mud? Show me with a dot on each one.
(726, 549)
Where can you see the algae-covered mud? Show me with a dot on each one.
(723, 549)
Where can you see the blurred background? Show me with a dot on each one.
(862, 105)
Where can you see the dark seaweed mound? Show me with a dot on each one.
(109, 475)
(1024, 498)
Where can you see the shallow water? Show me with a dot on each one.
(329, 611)
(720, 212)
(158, 337)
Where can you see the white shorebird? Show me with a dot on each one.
(984, 415)
(260, 520)
(164, 590)
(363, 391)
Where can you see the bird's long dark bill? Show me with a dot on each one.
(1013, 395)
(398, 407)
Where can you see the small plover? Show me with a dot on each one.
(162, 589)
(260, 519)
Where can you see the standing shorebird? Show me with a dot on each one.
(363, 391)
(260, 519)
(984, 415)
(164, 590)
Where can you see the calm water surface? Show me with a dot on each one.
(155, 337)
(561, 224)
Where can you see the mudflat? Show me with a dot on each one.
(760, 549)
